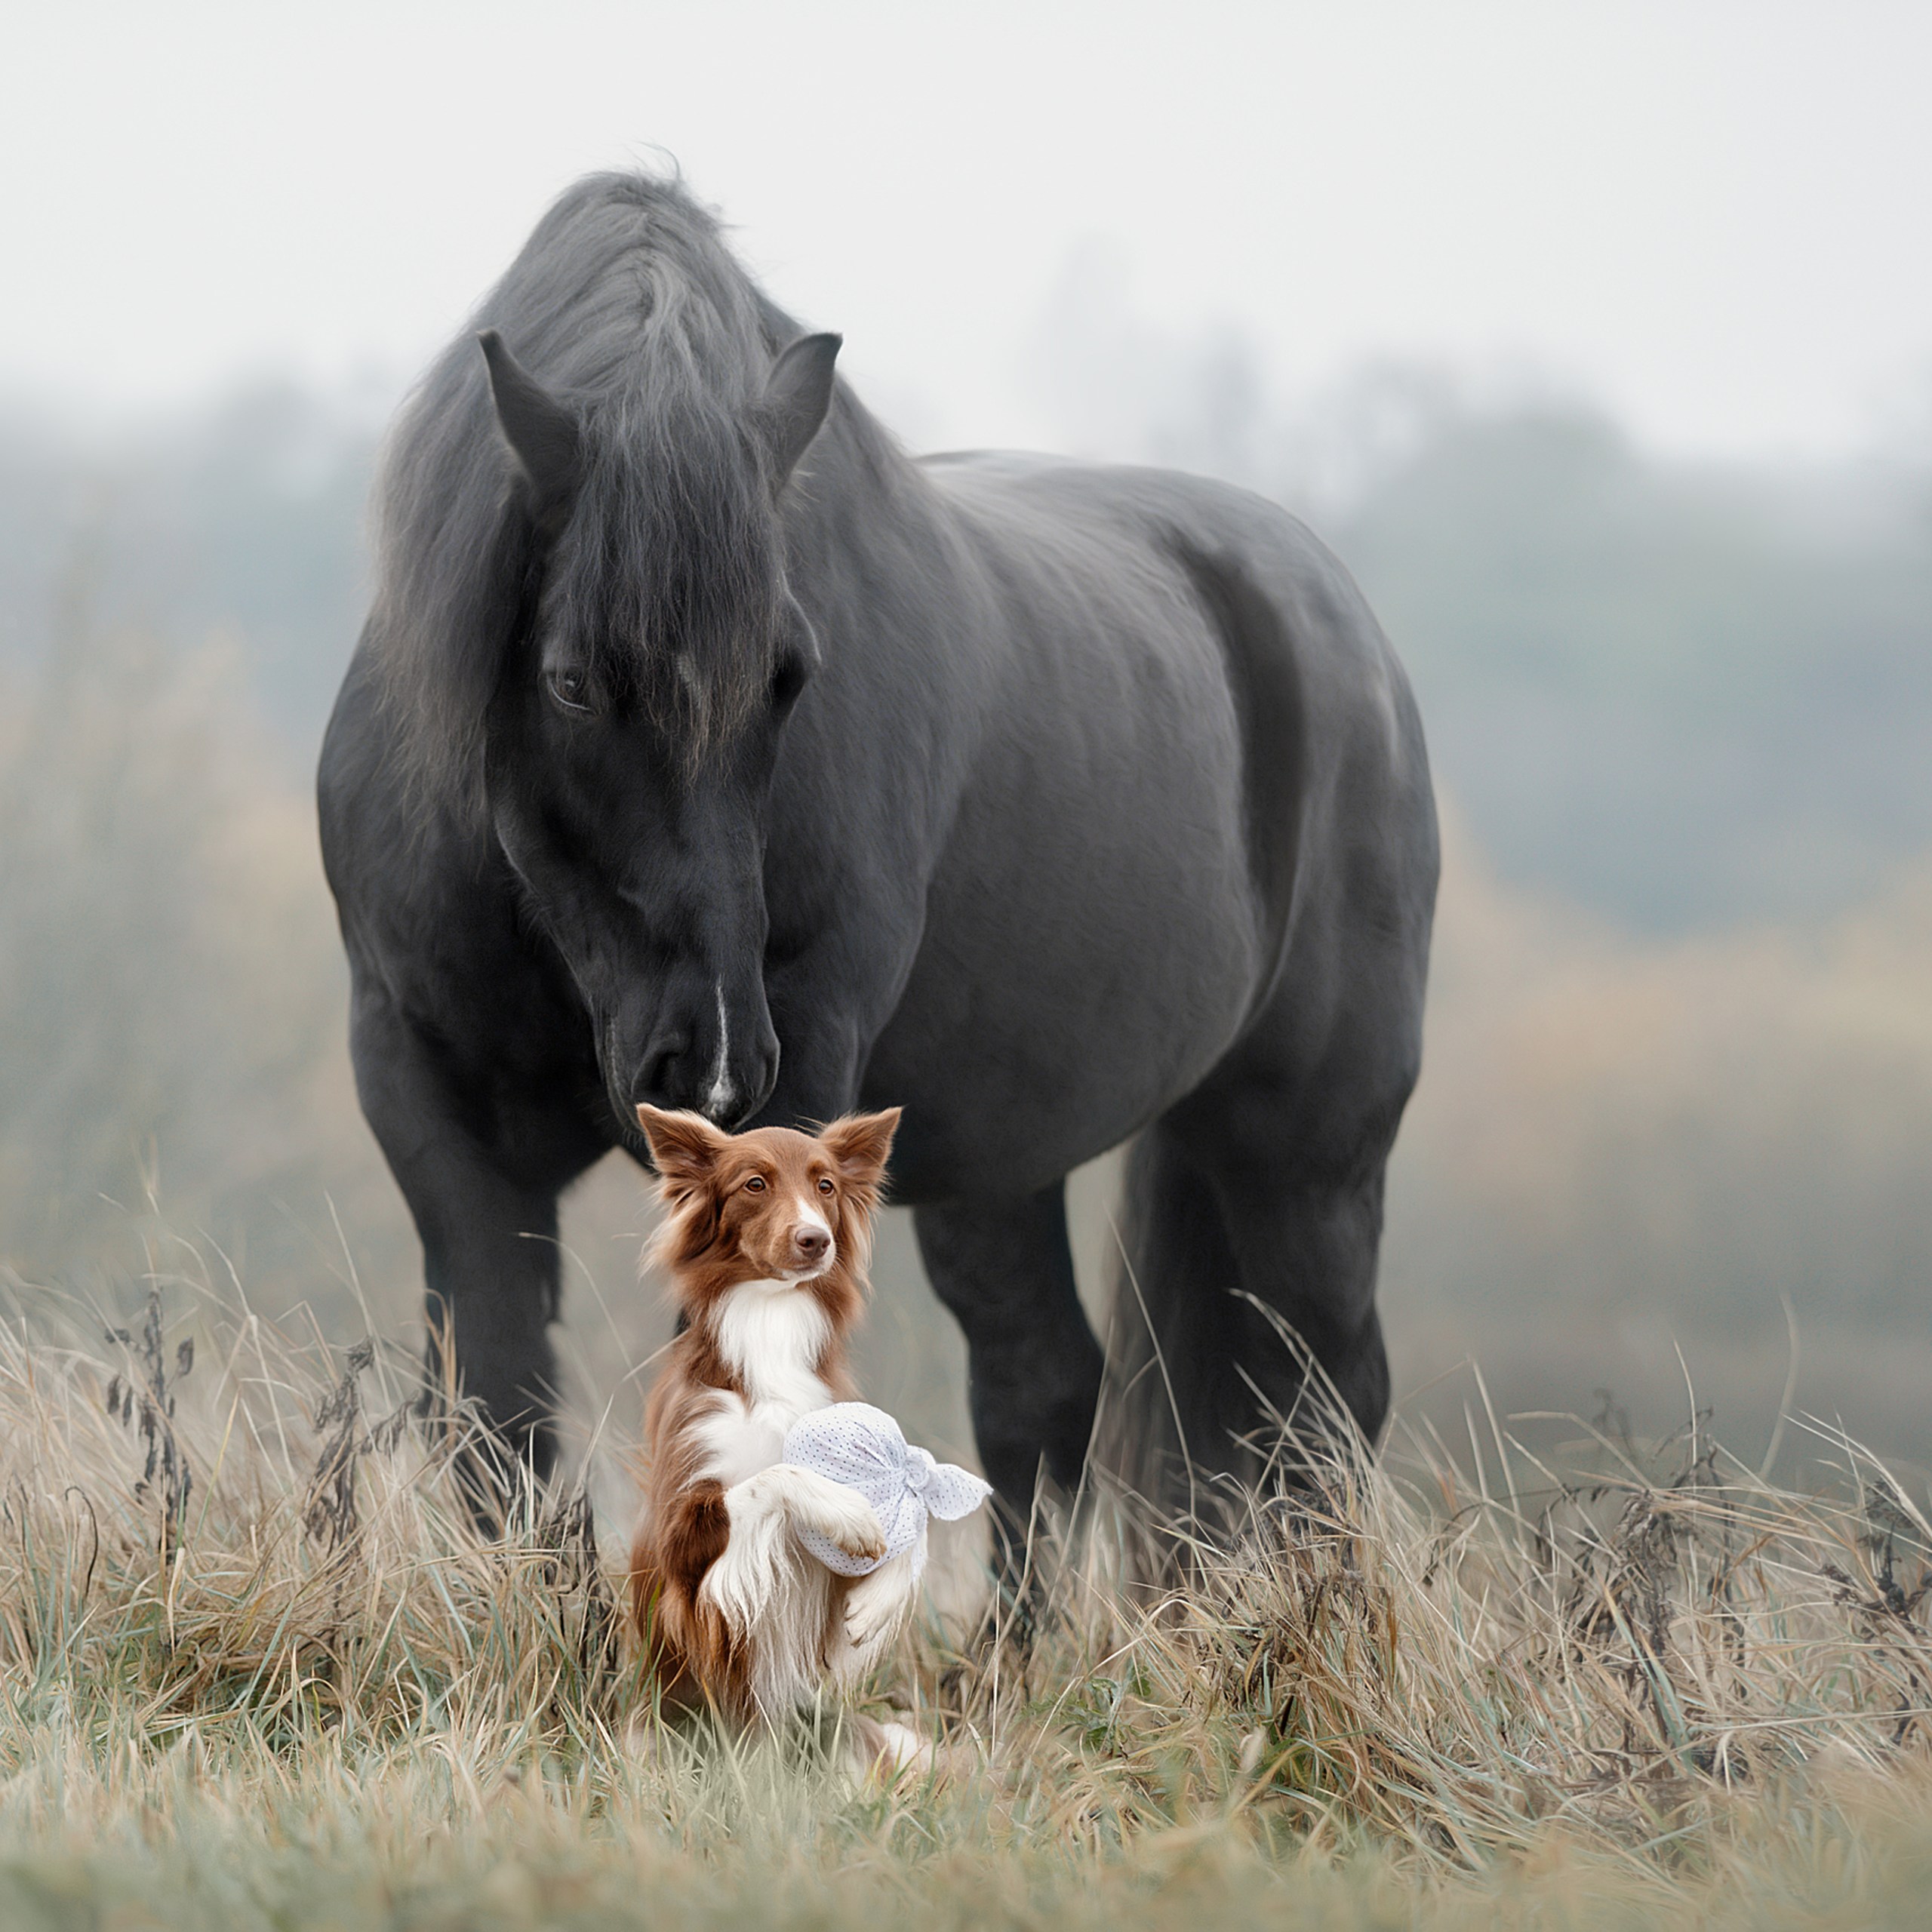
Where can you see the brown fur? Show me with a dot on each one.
(722, 1230)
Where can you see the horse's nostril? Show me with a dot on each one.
(660, 1083)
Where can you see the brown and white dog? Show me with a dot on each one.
(766, 1241)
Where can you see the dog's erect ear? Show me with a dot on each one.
(860, 1142)
(683, 1145)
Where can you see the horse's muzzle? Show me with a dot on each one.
(704, 1064)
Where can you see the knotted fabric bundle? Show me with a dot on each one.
(854, 1444)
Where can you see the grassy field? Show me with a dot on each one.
(256, 1670)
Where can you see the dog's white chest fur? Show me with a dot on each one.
(772, 1335)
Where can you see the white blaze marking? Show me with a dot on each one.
(717, 1099)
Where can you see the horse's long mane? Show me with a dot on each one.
(626, 304)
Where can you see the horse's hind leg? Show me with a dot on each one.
(1004, 1269)
(1253, 1208)
(1173, 1339)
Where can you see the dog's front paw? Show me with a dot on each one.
(870, 1618)
(877, 1605)
(863, 1540)
(853, 1524)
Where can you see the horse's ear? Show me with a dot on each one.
(797, 394)
(861, 1144)
(543, 434)
(683, 1145)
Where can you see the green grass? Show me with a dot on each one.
(255, 1669)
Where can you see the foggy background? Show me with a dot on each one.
(1597, 340)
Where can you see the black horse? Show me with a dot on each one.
(702, 748)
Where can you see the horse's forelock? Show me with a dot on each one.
(626, 304)
(667, 579)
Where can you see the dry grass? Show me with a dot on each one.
(255, 1668)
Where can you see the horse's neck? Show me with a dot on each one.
(856, 465)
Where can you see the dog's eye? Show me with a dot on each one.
(756, 1184)
(824, 1185)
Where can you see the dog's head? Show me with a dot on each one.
(773, 1205)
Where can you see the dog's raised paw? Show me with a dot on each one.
(863, 1545)
(857, 1532)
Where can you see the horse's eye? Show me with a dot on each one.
(756, 1184)
(824, 1185)
(571, 688)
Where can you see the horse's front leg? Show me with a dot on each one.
(481, 1164)
(1005, 1270)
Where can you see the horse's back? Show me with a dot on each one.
(1174, 563)
(1109, 515)
(1183, 686)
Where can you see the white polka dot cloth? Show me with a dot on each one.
(854, 1444)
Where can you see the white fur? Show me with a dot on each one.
(768, 1590)
(772, 1334)
(880, 1753)
(737, 1440)
(876, 1608)
(905, 1747)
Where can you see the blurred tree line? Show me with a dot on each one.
(1683, 695)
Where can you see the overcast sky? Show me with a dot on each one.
(1713, 217)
